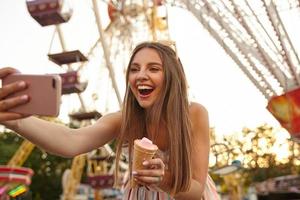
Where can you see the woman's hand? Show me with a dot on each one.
(153, 173)
(8, 103)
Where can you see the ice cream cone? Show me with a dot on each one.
(143, 150)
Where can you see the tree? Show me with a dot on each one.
(48, 169)
(261, 152)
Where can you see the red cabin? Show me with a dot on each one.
(49, 12)
(111, 9)
(286, 109)
(71, 84)
(101, 181)
(158, 2)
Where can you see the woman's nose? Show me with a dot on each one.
(142, 74)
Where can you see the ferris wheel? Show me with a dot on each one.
(91, 75)
(255, 35)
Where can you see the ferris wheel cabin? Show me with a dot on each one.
(49, 12)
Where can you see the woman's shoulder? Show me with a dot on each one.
(197, 110)
(199, 119)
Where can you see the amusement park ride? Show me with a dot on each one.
(56, 13)
(255, 35)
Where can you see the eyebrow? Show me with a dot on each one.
(150, 63)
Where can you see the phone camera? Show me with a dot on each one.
(53, 83)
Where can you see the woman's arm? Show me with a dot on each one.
(52, 137)
(64, 141)
(5, 91)
(200, 153)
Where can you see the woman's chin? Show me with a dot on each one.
(145, 104)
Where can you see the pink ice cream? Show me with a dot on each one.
(143, 149)
(146, 144)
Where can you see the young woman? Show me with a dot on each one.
(155, 106)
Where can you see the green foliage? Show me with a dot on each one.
(9, 143)
(255, 149)
(48, 169)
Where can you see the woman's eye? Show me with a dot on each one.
(133, 69)
(154, 69)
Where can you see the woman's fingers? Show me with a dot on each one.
(155, 163)
(148, 180)
(8, 103)
(9, 116)
(7, 70)
(152, 174)
(12, 102)
(12, 88)
(8, 89)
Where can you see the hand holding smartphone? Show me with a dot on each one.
(44, 93)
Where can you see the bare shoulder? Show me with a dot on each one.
(197, 111)
(199, 119)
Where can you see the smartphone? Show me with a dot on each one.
(44, 93)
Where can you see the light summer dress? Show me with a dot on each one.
(155, 193)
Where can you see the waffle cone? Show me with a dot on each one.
(140, 154)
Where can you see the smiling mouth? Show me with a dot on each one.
(145, 90)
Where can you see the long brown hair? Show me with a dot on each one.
(170, 110)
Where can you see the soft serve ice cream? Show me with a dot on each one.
(145, 144)
(143, 150)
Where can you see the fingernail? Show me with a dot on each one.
(134, 173)
(24, 97)
(22, 84)
(145, 162)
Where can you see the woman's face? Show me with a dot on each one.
(146, 76)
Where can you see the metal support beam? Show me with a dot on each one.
(106, 52)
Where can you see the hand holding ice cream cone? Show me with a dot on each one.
(144, 150)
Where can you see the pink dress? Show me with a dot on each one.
(155, 193)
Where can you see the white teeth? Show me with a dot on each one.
(144, 87)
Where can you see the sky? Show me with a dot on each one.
(215, 80)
